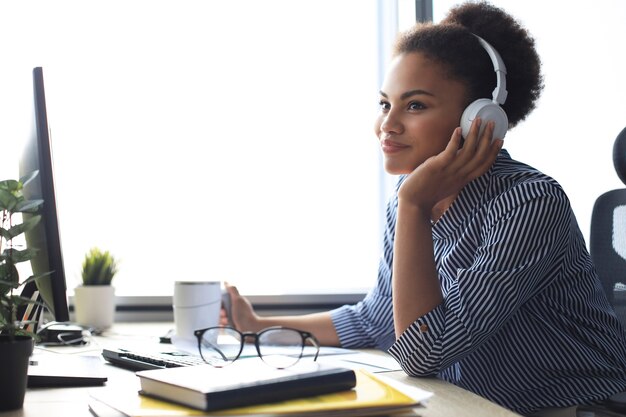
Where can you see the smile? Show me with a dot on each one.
(389, 146)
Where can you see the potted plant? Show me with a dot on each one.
(94, 300)
(16, 342)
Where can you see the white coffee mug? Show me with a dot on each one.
(196, 306)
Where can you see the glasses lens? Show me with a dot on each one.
(220, 346)
(280, 348)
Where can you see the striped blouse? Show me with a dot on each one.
(524, 321)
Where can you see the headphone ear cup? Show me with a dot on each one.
(486, 110)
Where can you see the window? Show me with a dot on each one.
(570, 134)
(201, 140)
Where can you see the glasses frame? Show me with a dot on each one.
(256, 336)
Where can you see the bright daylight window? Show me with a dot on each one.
(208, 140)
(570, 134)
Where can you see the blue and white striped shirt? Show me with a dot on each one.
(524, 321)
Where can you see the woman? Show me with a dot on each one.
(485, 279)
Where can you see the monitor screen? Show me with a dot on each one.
(37, 155)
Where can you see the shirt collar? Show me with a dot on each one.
(469, 200)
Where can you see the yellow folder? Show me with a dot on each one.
(370, 396)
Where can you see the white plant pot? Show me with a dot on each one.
(94, 306)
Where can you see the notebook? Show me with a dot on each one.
(244, 382)
(374, 395)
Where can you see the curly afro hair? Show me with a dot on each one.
(451, 44)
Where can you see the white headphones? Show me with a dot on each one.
(485, 108)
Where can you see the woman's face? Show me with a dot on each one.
(419, 110)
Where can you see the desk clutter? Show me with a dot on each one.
(378, 376)
(340, 383)
(370, 395)
(246, 382)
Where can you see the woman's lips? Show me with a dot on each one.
(390, 146)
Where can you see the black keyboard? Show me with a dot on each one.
(139, 361)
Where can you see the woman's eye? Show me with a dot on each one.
(416, 105)
(383, 105)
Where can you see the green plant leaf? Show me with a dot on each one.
(18, 256)
(12, 201)
(28, 177)
(11, 186)
(18, 229)
(8, 201)
(6, 312)
(19, 300)
(28, 206)
(5, 288)
(9, 277)
(36, 277)
(99, 268)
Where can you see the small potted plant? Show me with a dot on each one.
(16, 342)
(94, 300)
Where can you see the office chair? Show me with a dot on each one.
(607, 244)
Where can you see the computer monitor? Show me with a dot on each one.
(45, 237)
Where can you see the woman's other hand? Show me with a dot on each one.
(242, 315)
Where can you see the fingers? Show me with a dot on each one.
(232, 290)
(224, 321)
(475, 138)
(456, 141)
(479, 151)
(453, 147)
(446, 173)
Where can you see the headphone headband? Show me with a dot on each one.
(499, 93)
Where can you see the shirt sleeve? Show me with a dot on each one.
(369, 323)
(519, 248)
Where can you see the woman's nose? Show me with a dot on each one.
(390, 123)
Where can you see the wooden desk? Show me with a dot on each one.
(448, 400)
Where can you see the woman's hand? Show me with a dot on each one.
(415, 284)
(445, 174)
(242, 315)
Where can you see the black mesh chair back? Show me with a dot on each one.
(607, 243)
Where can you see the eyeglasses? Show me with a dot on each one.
(280, 347)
